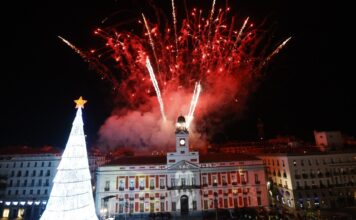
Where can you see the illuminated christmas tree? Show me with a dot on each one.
(71, 196)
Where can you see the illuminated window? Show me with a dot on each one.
(132, 183)
(122, 183)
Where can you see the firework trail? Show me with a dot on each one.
(276, 51)
(175, 24)
(94, 63)
(223, 54)
(193, 104)
(155, 84)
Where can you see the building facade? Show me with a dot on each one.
(182, 182)
(311, 181)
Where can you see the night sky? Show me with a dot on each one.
(307, 86)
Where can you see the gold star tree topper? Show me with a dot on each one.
(80, 102)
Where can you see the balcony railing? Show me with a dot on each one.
(257, 182)
(183, 187)
(107, 189)
(142, 187)
(131, 188)
(162, 187)
(121, 188)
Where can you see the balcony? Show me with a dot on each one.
(234, 183)
(107, 189)
(243, 182)
(142, 187)
(152, 187)
(131, 188)
(305, 176)
(205, 185)
(215, 184)
(257, 182)
(224, 183)
(162, 187)
(121, 188)
(183, 187)
(284, 175)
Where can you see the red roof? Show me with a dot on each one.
(139, 160)
(12, 150)
(218, 157)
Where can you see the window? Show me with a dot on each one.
(283, 163)
(34, 173)
(161, 183)
(21, 164)
(142, 183)
(47, 182)
(183, 181)
(162, 206)
(40, 182)
(46, 191)
(259, 201)
(193, 181)
(173, 182)
(42, 165)
(35, 164)
(174, 208)
(9, 192)
(294, 163)
(31, 192)
(141, 206)
(152, 183)
(194, 205)
(225, 203)
(48, 173)
(49, 164)
(121, 183)
(24, 192)
(205, 182)
(32, 182)
(132, 183)
(205, 204)
(28, 164)
(256, 178)
(215, 180)
(223, 178)
(26, 173)
(25, 183)
(38, 191)
(107, 185)
(41, 173)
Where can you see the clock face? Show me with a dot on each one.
(182, 142)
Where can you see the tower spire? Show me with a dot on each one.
(71, 196)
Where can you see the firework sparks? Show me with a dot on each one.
(155, 84)
(276, 51)
(210, 49)
(193, 104)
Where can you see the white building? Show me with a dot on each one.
(28, 179)
(313, 180)
(26, 176)
(183, 182)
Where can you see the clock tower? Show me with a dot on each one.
(182, 152)
(182, 134)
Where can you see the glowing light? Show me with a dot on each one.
(193, 103)
(155, 85)
(71, 196)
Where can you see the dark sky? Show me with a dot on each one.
(307, 86)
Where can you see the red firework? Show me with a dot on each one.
(225, 54)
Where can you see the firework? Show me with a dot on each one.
(155, 84)
(193, 103)
(224, 54)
